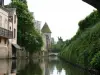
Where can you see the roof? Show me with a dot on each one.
(16, 46)
(3, 8)
(46, 28)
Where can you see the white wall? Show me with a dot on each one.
(44, 40)
(4, 19)
(14, 40)
(13, 24)
(37, 25)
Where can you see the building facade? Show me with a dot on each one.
(46, 35)
(38, 25)
(8, 31)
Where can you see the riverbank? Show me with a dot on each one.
(84, 47)
(92, 71)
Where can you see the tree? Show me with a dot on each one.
(28, 37)
(58, 46)
(24, 1)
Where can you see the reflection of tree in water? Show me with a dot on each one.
(31, 69)
(52, 65)
(59, 67)
(69, 69)
(57, 64)
(73, 70)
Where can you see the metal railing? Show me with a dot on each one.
(6, 33)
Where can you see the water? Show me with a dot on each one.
(42, 66)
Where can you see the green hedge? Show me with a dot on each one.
(90, 20)
(84, 46)
(95, 63)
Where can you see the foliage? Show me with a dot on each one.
(28, 37)
(90, 20)
(58, 46)
(95, 63)
(83, 47)
(31, 69)
(24, 1)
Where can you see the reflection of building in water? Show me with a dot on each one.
(13, 68)
(45, 67)
(20, 65)
(7, 67)
(49, 65)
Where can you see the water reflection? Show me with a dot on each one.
(30, 69)
(42, 66)
(6, 67)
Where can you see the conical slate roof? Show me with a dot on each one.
(46, 28)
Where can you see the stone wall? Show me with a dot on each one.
(4, 53)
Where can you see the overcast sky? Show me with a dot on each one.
(62, 16)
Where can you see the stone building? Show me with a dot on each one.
(46, 35)
(8, 31)
(38, 25)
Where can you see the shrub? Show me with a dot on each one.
(90, 20)
(95, 63)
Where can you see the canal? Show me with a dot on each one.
(41, 66)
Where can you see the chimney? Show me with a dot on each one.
(2, 3)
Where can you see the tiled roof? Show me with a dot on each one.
(46, 28)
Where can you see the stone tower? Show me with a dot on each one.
(46, 35)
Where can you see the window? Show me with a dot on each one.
(5, 41)
(10, 27)
(5, 23)
(0, 20)
(47, 37)
(0, 40)
(10, 18)
(14, 32)
(14, 18)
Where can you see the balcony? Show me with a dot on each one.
(6, 33)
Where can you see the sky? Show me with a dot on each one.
(62, 16)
